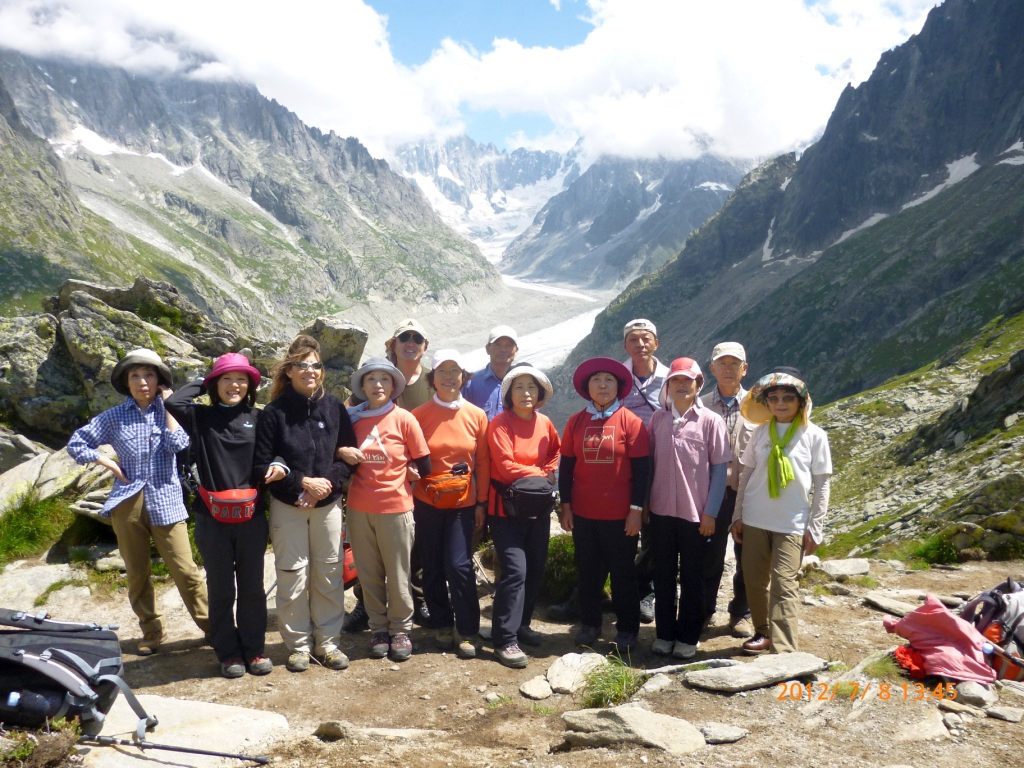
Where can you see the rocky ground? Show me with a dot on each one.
(436, 710)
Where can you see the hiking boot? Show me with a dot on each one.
(565, 612)
(512, 656)
(647, 609)
(587, 636)
(380, 644)
(466, 648)
(260, 665)
(401, 647)
(741, 626)
(232, 668)
(356, 620)
(684, 650)
(757, 644)
(626, 642)
(445, 638)
(662, 647)
(334, 659)
(298, 661)
(151, 642)
(528, 636)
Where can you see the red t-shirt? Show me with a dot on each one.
(602, 481)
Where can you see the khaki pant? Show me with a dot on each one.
(382, 548)
(134, 536)
(310, 588)
(771, 564)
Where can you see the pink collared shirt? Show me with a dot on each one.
(683, 451)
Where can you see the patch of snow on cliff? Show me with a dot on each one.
(957, 171)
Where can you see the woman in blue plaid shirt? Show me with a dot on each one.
(146, 502)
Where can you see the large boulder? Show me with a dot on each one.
(16, 449)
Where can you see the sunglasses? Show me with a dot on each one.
(304, 366)
(776, 399)
(410, 336)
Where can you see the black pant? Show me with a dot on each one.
(644, 563)
(522, 548)
(233, 557)
(679, 549)
(602, 546)
(714, 565)
(445, 540)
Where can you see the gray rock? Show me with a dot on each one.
(536, 688)
(112, 563)
(58, 474)
(568, 674)
(15, 483)
(759, 673)
(857, 566)
(490, 697)
(1011, 420)
(720, 733)
(931, 727)
(1009, 714)
(23, 582)
(16, 449)
(952, 721)
(631, 724)
(950, 705)
(656, 683)
(888, 604)
(335, 730)
(976, 695)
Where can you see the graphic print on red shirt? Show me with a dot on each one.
(599, 444)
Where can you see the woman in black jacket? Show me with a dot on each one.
(302, 427)
(223, 437)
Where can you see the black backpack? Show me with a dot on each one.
(51, 669)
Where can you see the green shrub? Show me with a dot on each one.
(610, 684)
(936, 550)
(560, 573)
(31, 526)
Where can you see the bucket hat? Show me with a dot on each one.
(755, 409)
(119, 378)
(525, 369)
(379, 364)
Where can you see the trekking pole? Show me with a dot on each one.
(110, 741)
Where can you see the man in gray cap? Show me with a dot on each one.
(484, 389)
(728, 366)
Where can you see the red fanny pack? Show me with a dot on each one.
(235, 506)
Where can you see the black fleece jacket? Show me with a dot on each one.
(305, 432)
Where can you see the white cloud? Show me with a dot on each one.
(653, 76)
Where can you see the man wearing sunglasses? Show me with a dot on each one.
(405, 350)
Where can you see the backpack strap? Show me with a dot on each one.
(146, 722)
(42, 620)
(67, 678)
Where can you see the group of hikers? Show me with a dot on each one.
(652, 479)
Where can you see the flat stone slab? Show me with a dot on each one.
(183, 723)
(1009, 714)
(722, 733)
(883, 602)
(931, 727)
(568, 673)
(976, 695)
(658, 682)
(536, 688)
(854, 566)
(23, 582)
(631, 724)
(759, 673)
(338, 730)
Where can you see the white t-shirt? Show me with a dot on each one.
(809, 454)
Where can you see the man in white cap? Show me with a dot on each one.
(728, 366)
(405, 350)
(484, 389)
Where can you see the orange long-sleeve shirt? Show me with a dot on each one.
(455, 436)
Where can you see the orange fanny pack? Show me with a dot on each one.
(447, 491)
(235, 506)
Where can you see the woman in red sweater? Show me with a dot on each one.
(450, 502)
(523, 443)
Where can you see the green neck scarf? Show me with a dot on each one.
(780, 470)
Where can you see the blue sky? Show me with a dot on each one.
(636, 78)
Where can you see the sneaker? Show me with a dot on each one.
(465, 649)
(567, 611)
(298, 662)
(356, 620)
(647, 609)
(684, 650)
(151, 642)
(528, 636)
(587, 635)
(741, 626)
(512, 656)
(445, 638)
(401, 647)
(260, 665)
(232, 668)
(662, 647)
(757, 644)
(334, 659)
(626, 642)
(380, 644)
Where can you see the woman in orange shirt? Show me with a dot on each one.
(523, 443)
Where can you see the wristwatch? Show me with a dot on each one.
(636, 508)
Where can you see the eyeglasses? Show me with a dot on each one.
(410, 336)
(304, 366)
(776, 399)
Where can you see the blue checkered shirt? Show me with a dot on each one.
(145, 450)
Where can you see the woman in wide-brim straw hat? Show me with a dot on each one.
(302, 427)
(602, 482)
(523, 443)
(781, 504)
(380, 523)
(145, 505)
(223, 436)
